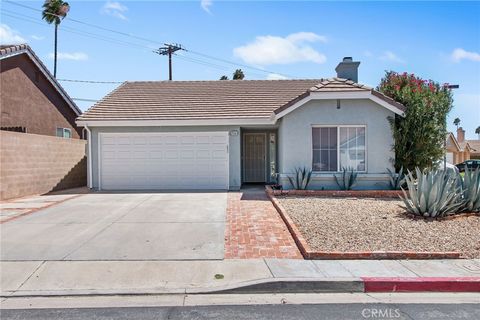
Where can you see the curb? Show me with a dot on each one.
(429, 284)
(286, 285)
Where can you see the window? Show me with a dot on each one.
(335, 148)
(64, 133)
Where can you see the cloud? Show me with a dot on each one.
(10, 36)
(266, 50)
(206, 4)
(275, 76)
(460, 54)
(75, 56)
(38, 38)
(115, 9)
(390, 56)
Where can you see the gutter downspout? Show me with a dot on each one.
(89, 157)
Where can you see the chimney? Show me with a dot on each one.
(348, 69)
(460, 135)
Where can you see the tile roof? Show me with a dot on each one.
(202, 100)
(474, 144)
(7, 51)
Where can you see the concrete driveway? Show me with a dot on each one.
(121, 226)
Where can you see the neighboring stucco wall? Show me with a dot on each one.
(234, 147)
(37, 164)
(295, 138)
(29, 100)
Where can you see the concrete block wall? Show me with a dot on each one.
(37, 164)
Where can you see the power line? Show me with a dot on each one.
(169, 50)
(90, 81)
(264, 71)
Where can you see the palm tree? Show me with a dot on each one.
(238, 75)
(53, 12)
(456, 122)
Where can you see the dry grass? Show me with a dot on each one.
(347, 224)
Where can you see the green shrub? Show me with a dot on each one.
(396, 179)
(302, 178)
(470, 188)
(432, 194)
(347, 180)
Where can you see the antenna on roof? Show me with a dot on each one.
(169, 49)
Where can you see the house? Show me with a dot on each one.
(473, 146)
(222, 134)
(456, 152)
(40, 145)
(32, 100)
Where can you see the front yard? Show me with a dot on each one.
(360, 225)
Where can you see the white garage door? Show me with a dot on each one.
(164, 160)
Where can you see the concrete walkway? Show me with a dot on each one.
(46, 278)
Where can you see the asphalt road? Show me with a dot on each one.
(260, 312)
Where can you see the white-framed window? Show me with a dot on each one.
(64, 133)
(337, 147)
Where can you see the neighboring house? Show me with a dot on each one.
(32, 101)
(222, 134)
(40, 149)
(473, 146)
(456, 152)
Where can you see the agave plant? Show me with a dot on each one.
(347, 179)
(471, 190)
(396, 179)
(302, 178)
(432, 194)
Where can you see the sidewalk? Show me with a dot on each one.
(68, 278)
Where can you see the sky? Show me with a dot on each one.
(115, 40)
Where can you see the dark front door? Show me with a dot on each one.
(254, 157)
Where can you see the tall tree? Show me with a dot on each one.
(238, 75)
(54, 11)
(224, 77)
(419, 135)
(456, 122)
(477, 131)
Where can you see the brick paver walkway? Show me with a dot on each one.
(254, 229)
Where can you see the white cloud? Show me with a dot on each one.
(10, 36)
(206, 4)
(275, 76)
(115, 9)
(38, 38)
(390, 56)
(266, 50)
(459, 54)
(75, 56)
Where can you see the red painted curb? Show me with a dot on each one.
(439, 284)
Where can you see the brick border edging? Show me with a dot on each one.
(50, 204)
(394, 194)
(310, 254)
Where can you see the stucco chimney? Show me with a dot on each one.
(348, 69)
(460, 134)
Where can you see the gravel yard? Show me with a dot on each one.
(353, 225)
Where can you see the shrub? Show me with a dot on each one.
(470, 188)
(302, 178)
(420, 135)
(433, 194)
(347, 180)
(396, 179)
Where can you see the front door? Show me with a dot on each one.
(254, 157)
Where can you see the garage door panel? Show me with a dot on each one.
(164, 161)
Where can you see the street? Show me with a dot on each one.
(260, 312)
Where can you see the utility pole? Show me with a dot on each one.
(169, 50)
